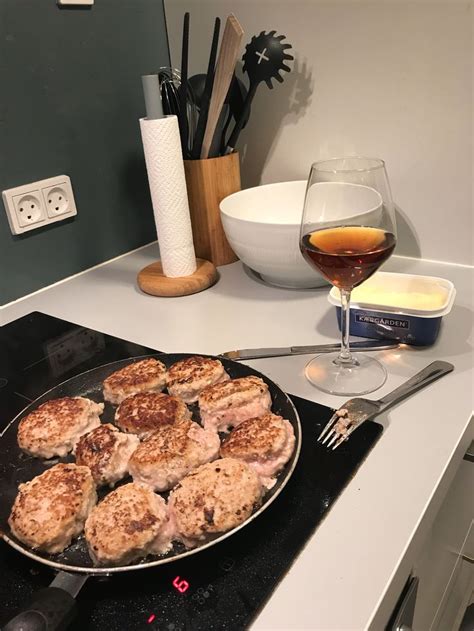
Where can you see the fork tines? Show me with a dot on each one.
(337, 430)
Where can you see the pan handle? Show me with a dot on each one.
(52, 608)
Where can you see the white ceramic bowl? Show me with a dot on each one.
(262, 225)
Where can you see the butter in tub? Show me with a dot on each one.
(401, 307)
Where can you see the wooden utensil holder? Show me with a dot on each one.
(208, 182)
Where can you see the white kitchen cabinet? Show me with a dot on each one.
(444, 567)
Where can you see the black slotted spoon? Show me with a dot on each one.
(264, 58)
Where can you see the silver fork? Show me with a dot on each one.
(354, 412)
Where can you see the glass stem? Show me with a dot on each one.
(345, 354)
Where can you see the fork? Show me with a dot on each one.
(354, 412)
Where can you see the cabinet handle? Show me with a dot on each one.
(469, 455)
(402, 619)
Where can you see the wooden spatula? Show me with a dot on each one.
(228, 54)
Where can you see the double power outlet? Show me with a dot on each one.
(38, 204)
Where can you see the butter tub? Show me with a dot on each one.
(401, 307)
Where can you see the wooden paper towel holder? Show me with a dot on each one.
(152, 281)
(208, 182)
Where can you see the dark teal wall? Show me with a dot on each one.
(70, 99)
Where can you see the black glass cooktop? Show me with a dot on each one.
(222, 588)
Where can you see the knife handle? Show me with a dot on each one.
(303, 350)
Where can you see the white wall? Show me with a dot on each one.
(387, 78)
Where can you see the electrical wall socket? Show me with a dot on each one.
(38, 204)
(29, 208)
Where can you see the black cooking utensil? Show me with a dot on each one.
(236, 100)
(235, 103)
(216, 144)
(169, 80)
(206, 94)
(193, 115)
(264, 58)
(183, 110)
(197, 84)
(235, 96)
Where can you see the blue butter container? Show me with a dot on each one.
(402, 307)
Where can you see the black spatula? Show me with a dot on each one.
(183, 100)
(205, 98)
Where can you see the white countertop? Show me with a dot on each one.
(351, 572)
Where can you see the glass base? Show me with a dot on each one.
(364, 374)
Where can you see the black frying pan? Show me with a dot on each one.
(52, 608)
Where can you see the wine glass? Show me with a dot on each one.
(347, 232)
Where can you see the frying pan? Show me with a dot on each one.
(53, 607)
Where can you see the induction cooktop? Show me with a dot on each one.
(223, 587)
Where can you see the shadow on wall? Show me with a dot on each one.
(286, 106)
(407, 239)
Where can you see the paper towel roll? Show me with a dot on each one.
(164, 163)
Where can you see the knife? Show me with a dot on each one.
(258, 353)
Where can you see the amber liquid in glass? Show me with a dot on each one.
(347, 255)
